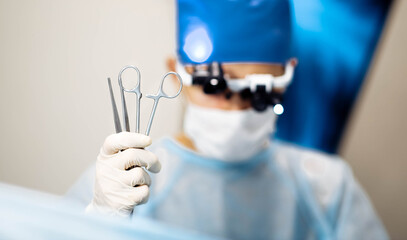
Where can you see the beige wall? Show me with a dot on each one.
(54, 101)
(376, 141)
(55, 108)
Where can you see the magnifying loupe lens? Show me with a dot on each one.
(214, 86)
(259, 102)
(246, 94)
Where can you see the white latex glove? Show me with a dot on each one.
(117, 190)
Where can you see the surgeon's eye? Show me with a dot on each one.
(228, 95)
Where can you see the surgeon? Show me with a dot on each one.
(223, 175)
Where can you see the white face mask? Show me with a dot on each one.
(228, 135)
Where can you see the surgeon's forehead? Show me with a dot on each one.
(240, 70)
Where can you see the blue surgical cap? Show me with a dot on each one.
(233, 31)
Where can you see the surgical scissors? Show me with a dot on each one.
(136, 90)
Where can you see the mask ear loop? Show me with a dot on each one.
(186, 77)
(285, 80)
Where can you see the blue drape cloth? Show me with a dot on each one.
(28, 214)
(334, 42)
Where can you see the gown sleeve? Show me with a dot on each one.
(355, 215)
(339, 203)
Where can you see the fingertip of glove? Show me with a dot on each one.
(136, 139)
(156, 167)
(147, 139)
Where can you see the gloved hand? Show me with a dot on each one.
(121, 182)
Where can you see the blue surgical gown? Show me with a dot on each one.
(284, 192)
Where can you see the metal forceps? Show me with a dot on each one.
(162, 94)
(136, 90)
